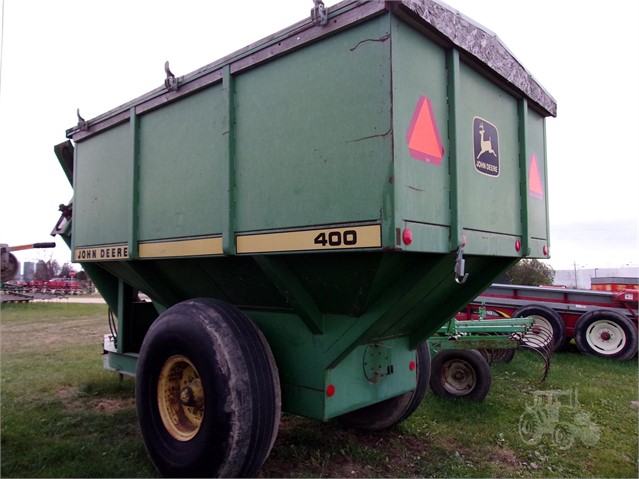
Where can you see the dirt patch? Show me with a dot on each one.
(504, 456)
(69, 397)
(72, 400)
(313, 449)
(110, 406)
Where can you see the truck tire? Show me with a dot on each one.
(460, 374)
(606, 334)
(207, 392)
(390, 412)
(547, 319)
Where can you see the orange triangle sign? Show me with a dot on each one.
(423, 136)
(534, 180)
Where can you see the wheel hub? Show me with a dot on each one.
(459, 377)
(191, 395)
(605, 335)
(180, 398)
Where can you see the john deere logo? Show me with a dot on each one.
(486, 147)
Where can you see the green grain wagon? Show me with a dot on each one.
(303, 214)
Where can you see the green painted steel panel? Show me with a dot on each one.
(353, 391)
(181, 153)
(102, 192)
(489, 204)
(313, 139)
(422, 193)
(181, 150)
(537, 197)
(121, 363)
(299, 353)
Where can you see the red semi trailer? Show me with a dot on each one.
(602, 323)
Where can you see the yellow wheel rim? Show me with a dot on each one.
(180, 398)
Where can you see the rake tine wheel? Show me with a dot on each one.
(541, 343)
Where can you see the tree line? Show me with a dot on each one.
(48, 269)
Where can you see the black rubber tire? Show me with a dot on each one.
(240, 384)
(390, 412)
(460, 374)
(548, 315)
(622, 343)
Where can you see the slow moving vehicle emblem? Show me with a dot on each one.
(486, 147)
(423, 139)
(534, 180)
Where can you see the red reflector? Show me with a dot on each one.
(330, 390)
(517, 245)
(412, 365)
(407, 236)
(545, 250)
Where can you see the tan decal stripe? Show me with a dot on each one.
(312, 240)
(101, 253)
(180, 248)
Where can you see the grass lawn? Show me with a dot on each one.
(64, 416)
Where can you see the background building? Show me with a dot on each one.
(581, 277)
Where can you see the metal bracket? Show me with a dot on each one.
(170, 82)
(460, 264)
(319, 14)
(63, 221)
(82, 123)
(378, 362)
